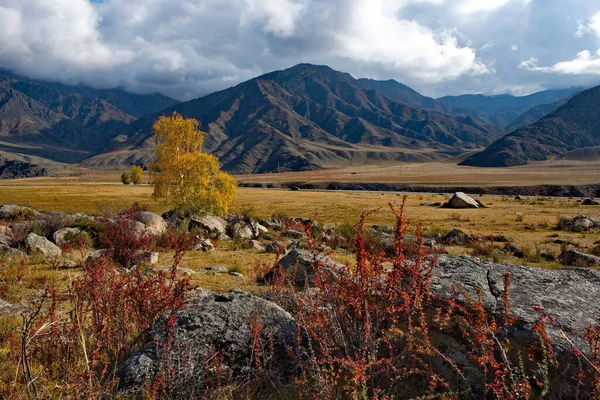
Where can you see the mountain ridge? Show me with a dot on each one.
(309, 117)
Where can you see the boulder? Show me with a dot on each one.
(294, 233)
(240, 230)
(570, 295)
(275, 247)
(589, 202)
(511, 248)
(212, 324)
(59, 236)
(578, 259)
(579, 223)
(216, 268)
(36, 243)
(211, 224)
(154, 223)
(204, 245)
(9, 253)
(298, 265)
(148, 257)
(256, 245)
(457, 237)
(257, 229)
(461, 200)
(236, 274)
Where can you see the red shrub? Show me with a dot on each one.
(124, 244)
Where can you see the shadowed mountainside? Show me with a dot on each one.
(308, 117)
(571, 127)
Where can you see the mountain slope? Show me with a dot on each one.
(60, 122)
(536, 113)
(503, 109)
(572, 126)
(308, 117)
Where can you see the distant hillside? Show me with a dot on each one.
(10, 169)
(536, 113)
(64, 123)
(572, 126)
(308, 117)
(502, 110)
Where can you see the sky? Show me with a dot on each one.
(188, 48)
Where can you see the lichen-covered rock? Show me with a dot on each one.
(7, 308)
(36, 243)
(578, 259)
(213, 225)
(457, 237)
(154, 223)
(240, 230)
(7, 252)
(211, 324)
(61, 236)
(298, 265)
(461, 200)
(275, 247)
(6, 231)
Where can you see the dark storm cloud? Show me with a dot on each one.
(192, 47)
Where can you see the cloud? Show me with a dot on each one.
(591, 26)
(189, 48)
(584, 64)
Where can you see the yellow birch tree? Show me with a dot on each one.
(188, 179)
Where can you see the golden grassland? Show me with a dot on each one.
(528, 223)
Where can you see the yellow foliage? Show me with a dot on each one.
(186, 178)
(137, 175)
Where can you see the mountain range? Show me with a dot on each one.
(570, 131)
(301, 118)
(309, 117)
(65, 123)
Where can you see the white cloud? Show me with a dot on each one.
(584, 64)
(591, 26)
(483, 6)
(281, 15)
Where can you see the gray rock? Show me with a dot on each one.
(9, 253)
(461, 200)
(567, 294)
(65, 264)
(275, 247)
(589, 202)
(148, 257)
(204, 245)
(211, 323)
(36, 243)
(59, 235)
(578, 259)
(257, 229)
(95, 255)
(294, 233)
(240, 230)
(457, 237)
(579, 223)
(236, 274)
(256, 245)
(213, 225)
(511, 248)
(154, 223)
(298, 265)
(216, 268)
(7, 308)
